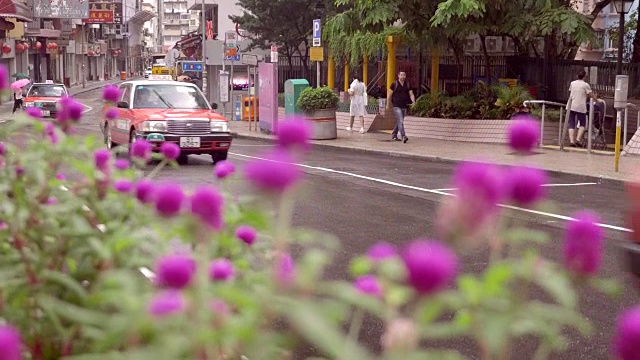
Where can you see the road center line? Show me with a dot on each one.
(438, 192)
(547, 185)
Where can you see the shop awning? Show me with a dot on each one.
(142, 17)
(15, 9)
(190, 41)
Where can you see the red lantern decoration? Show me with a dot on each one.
(91, 53)
(19, 47)
(6, 49)
(49, 46)
(55, 45)
(98, 52)
(26, 45)
(38, 45)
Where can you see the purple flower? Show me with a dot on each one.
(111, 93)
(175, 271)
(111, 114)
(123, 185)
(70, 110)
(3, 150)
(247, 234)
(122, 164)
(166, 303)
(206, 204)
(479, 180)
(276, 172)
(626, 341)
(220, 270)
(170, 150)
(10, 341)
(294, 133)
(49, 130)
(101, 158)
(52, 201)
(285, 270)
(144, 191)
(141, 149)
(430, 265)
(4, 78)
(61, 176)
(223, 169)
(219, 307)
(19, 170)
(34, 112)
(525, 184)
(3, 225)
(169, 199)
(524, 134)
(583, 244)
(368, 284)
(381, 251)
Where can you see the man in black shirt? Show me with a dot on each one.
(400, 97)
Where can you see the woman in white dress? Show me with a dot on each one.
(358, 94)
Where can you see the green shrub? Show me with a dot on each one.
(317, 99)
(510, 99)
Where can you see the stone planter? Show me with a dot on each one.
(323, 123)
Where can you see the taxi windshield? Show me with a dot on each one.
(168, 97)
(47, 91)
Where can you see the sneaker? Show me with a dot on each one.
(405, 139)
(395, 139)
(361, 130)
(349, 129)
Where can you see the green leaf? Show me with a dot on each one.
(360, 266)
(471, 289)
(607, 286)
(557, 284)
(66, 281)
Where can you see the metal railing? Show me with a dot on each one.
(544, 108)
(626, 118)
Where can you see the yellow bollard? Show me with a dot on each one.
(346, 76)
(391, 61)
(365, 69)
(331, 72)
(435, 72)
(618, 134)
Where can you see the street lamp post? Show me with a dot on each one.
(622, 7)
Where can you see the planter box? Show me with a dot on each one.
(323, 123)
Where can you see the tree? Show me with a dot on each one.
(630, 29)
(286, 23)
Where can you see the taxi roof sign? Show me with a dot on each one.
(49, 82)
(160, 77)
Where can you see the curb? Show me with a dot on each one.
(439, 159)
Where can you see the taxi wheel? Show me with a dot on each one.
(107, 137)
(219, 156)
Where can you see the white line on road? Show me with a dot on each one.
(547, 185)
(438, 192)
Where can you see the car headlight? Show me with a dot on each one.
(218, 126)
(28, 104)
(155, 126)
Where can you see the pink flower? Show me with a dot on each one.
(220, 270)
(166, 303)
(10, 341)
(3, 150)
(583, 244)
(525, 184)
(294, 133)
(175, 271)
(276, 173)
(170, 150)
(247, 234)
(101, 158)
(52, 201)
(219, 307)
(34, 112)
(112, 113)
(19, 171)
(169, 199)
(524, 134)
(144, 191)
(70, 110)
(49, 130)
(111, 93)
(207, 204)
(368, 284)
(285, 270)
(381, 251)
(61, 176)
(4, 77)
(3, 225)
(141, 149)
(223, 169)
(430, 265)
(123, 185)
(626, 341)
(122, 164)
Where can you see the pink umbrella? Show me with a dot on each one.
(16, 85)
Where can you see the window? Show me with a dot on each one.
(126, 93)
(184, 16)
(47, 91)
(192, 23)
(168, 97)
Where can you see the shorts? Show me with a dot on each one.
(581, 117)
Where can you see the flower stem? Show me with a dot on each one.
(354, 328)
(157, 169)
(283, 222)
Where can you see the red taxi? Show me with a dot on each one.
(46, 97)
(167, 110)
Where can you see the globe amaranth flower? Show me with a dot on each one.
(70, 110)
(10, 341)
(219, 307)
(583, 244)
(123, 185)
(122, 164)
(285, 269)
(141, 149)
(61, 176)
(523, 134)
(167, 303)
(294, 134)
(111, 114)
(111, 93)
(525, 184)
(3, 150)
(626, 341)
(144, 191)
(4, 78)
(275, 173)
(49, 130)
(101, 158)
(19, 170)
(34, 112)
(247, 234)
(381, 251)
(430, 265)
(169, 199)
(223, 169)
(174, 271)
(207, 204)
(170, 150)
(368, 284)
(220, 270)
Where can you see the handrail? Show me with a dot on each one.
(544, 107)
(626, 117)
(544, 102)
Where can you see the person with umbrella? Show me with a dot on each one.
(17, 86)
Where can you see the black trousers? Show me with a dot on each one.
(17, 103)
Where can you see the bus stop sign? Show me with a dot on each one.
(192, 66)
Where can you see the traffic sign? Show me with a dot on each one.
(235, 57)
(192, 66)
(248, 59)
(316, 32)
(274, 54)
(316, 53)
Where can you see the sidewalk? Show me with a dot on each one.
(579, 163)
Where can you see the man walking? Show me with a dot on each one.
(579, 91)
(400, 97)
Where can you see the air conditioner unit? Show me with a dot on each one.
(493, 44)
(471, 44)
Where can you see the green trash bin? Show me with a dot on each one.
(292, 90)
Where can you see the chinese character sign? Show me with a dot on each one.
(104, 13)
(99, 17)
(61, 9)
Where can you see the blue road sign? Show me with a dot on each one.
(233, 58)
(316, 32)
(192, 66)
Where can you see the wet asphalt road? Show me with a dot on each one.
(377, 197)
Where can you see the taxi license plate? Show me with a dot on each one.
(189, 142)
(46, 113)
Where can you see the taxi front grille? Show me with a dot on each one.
(188, 127)
(51, 106)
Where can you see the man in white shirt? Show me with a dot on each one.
(579, 91)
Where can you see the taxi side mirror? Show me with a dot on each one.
(214, 106)
(122, 104)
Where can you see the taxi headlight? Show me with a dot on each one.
(28, 104)
(155, 126)
(218, 126)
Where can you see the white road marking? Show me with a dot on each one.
(546, 185)
(438, 192)
(89, 108)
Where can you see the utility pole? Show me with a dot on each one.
(204, 51)
(84, 58)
